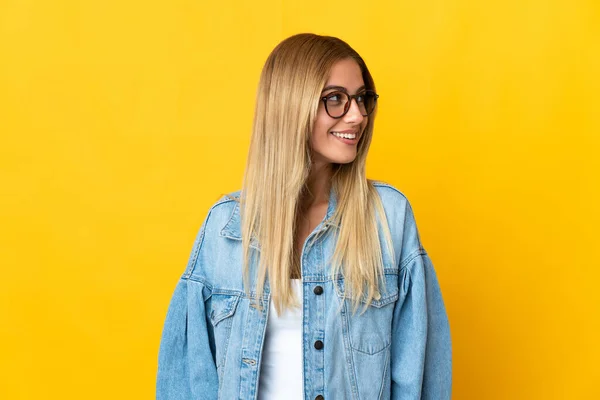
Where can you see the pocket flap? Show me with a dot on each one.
(387, 294)
(222, 306)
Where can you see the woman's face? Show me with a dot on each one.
(326, 147)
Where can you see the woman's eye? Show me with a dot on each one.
(334, 98)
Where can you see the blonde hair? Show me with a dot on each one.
(279, 162)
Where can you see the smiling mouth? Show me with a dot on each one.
(342, 135)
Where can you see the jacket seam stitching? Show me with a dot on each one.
(385, 368)
(387, 185)
(201, 280)
(194, 258)
(416, 253)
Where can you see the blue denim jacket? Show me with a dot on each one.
(399, 348)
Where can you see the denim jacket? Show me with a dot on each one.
(399, 348)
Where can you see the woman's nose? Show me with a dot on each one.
(354, 114)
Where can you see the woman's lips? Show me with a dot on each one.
(346, 140)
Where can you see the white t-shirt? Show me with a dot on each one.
(281, 365)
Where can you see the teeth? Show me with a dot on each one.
(344, 135)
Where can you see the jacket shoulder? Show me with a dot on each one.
(390, 195)
(222, 211)
(217, 218)
(401, 220)
(225, 203)
(228, 198)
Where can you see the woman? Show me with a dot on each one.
(310, 283)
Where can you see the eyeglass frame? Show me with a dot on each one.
(349, 102)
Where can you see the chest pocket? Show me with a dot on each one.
(369, 330)
(222, 309)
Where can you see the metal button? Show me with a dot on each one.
(319, 397)
(318, 290)
(318, 345)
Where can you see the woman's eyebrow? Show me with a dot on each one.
(341, 88)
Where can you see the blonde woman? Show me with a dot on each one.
(311, 282)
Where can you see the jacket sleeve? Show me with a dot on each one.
(186, 367)
(421, 364)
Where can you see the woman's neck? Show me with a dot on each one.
(318, 186)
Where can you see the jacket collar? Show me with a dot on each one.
(232, 228)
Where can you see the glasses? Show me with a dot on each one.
(338, 103)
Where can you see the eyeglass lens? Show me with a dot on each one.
(338, 103)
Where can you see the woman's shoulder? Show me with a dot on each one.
(230, 197)
(226, 201)
(390, 195)
(222, 211)
(400, 217)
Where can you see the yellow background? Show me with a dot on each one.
(123, 121)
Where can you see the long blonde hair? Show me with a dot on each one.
(279, 162)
